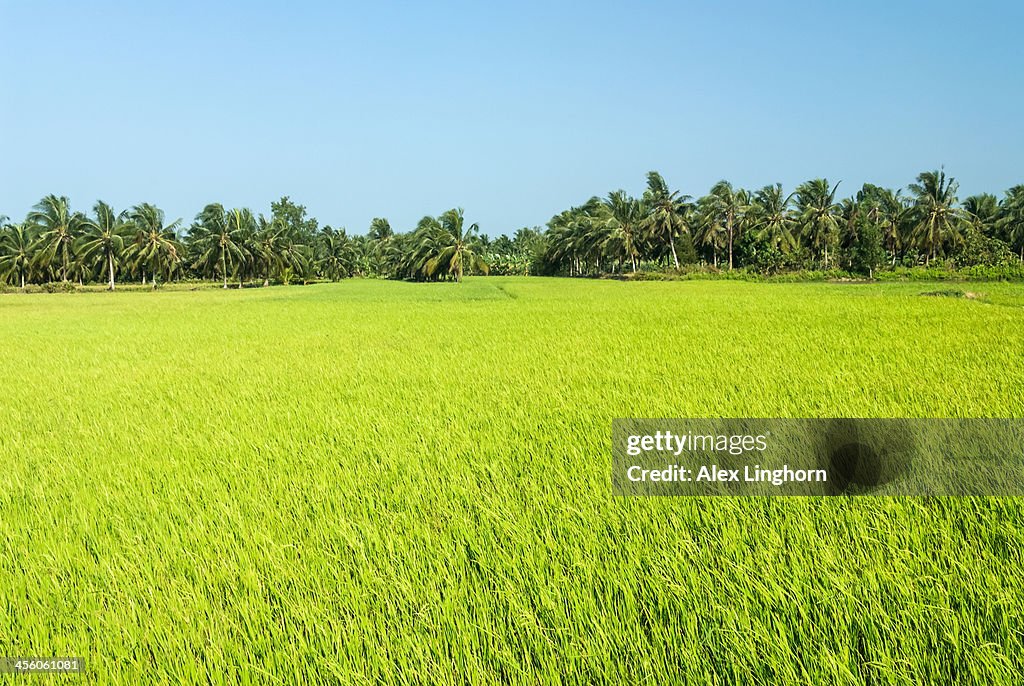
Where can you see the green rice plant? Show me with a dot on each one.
(390, 482)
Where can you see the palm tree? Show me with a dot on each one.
(711, 231)
(451, 247)
(266, 245)
(16, 258)
(937, 220)
(218, 244)
(623, 218)
(104, 238)
(1011, 218)
(850, 216)
(817, 212)
(397, 255)
(155, 246)
(886, 210)
(242, 225)
(334, 253)
(58, 227)
(578, 237)
(982, 212)
(293, 258)
(82, 269)
(772, 218)
(380, 229)
(379, 236)
(668, 211)
(724, 207)
(422, 245)
(561, 250)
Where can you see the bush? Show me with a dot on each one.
(709, 273)
(59, 287)
(937, 271)
(948, 272)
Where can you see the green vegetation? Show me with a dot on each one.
(768, 232)
(876, 231)
(390, 482)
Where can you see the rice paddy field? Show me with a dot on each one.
(380, 482)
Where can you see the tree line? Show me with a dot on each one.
(766, 230)
(232, 246)
(769, 230)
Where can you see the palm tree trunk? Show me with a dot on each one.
(675, 258)
(110, 265)
(224, 269)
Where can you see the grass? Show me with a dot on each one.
(379, 482)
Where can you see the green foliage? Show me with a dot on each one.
(288, 214)
(58, 287)
(975, 247)
(773, 222)
(771, 232)
(982, 213)
(768, 232)
(947, 271)
(155, 249)
(719, 220)
(57, 228)
(447, 247)
(17, 248)
(865, 250)
(937, 221)
(1010, 221)
(105, 239)
(817, 215)
(668, 214)
(685, 249)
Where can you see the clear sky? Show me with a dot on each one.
(513, 112)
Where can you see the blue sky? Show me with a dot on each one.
(513, 112)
